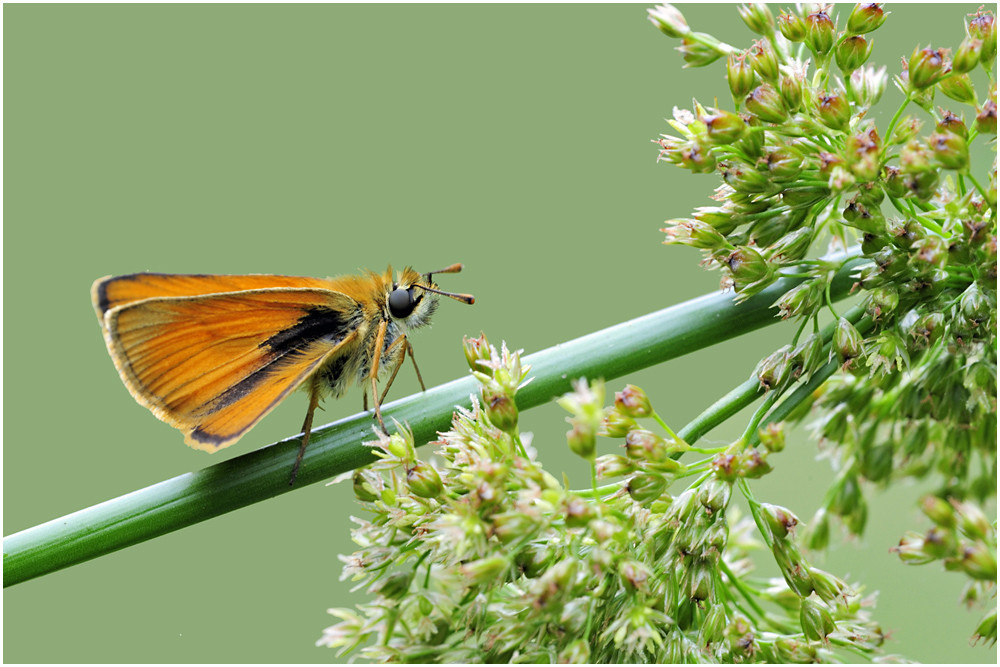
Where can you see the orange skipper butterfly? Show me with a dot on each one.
(211, 355)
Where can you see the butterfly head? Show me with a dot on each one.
(413, 297)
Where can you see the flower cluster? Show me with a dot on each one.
(480, 555)
(803, 164)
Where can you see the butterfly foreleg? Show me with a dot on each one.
(403, 345)
(376, 356)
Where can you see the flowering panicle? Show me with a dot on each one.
(916, 391)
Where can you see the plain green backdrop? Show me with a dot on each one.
(316, 140)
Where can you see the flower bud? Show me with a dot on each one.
(865, 17)
(978, 561)
(395, 586)
(581, 439)
(634, 574)
(752, 465)
(792, 27)
(867, 84)
(646, 487)
(632, 401)
(905, 131)
(696, 53)
(364, 489)
(745, 179)
(984, 28)
(967, 56)
(424, 480)
(972, 521)
(758, 17)
(959, 88)
(950, 123)
(986, 119)
(765, 103)
(763, 60)
(790, 88)
(881, 300)
(669, 20)
(793, 651)
(829, 588)
(476, 350)
(714, 495)
(774, 369)
(695, 234)
(645, 445)
(613, 465)
(723, 127)
(808, 354)
(779, 520)
(862, 153)
(938, 510)
(833, 109)
(791, 247)
(926, 67)
(772, 436)
(846, 342)
(616, 425)
(793, 567)
(911, 549)
(748, 266)
(800, 300)
(500, 408)
(950, 150)
(820, 32)
(815, 619)
(986, 630)
(852, 53)
(740, 75)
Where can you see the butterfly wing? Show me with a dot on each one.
(113, 291)
(214, 365)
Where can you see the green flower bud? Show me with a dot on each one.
(634, 575)
(792, 27)
(745, 179)
(723, 127)
(695, 234)
(790, 88)
(714, 495)
(978, 561)
(748, 266)
(764, 60)
(881, 300)
(974, 305)
(959, 88)
(938, 543)
(581, 439)
(951, 123)
(938, 510)
(793, 567)
(852, 53)
(800, 300)
(867, 84)
(986, 630)
(791, 247)
(926, 67)
(725, 467)
(967, 56)
(752, 465)
(772, 436)
(395, 586)
(645, 445)
(833, 109)
(696, 52)
(865, 17)
(578, 512)
(739, 74)
(758, 17)
(616, 425)
(632, 401)
(820, 32)
(646, 487)
(986, 121)
(972, 521)
(500, 408)
(765, 103)
(950, 150)
(923, 184)
(779, 520)
(905, 131)
(808, 354)
(613, 465)
(983, 27)
(788, 650)
(774, 369)
(424, 480)
(915, 158)
(669, 20)
(829, 588)
(911, 549)
(847, 342)
(815, 619)
(476, 350)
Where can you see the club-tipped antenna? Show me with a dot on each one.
(464, 298)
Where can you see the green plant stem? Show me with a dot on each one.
(339, 447)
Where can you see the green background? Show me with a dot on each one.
(316, 140)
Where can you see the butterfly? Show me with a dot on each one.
(211, 355)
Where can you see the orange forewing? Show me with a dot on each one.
(214, 364)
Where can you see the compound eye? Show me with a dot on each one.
(401, 302)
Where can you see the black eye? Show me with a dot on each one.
(401, 302)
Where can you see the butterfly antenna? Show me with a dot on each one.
(464, 298)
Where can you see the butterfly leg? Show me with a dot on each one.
(306, 431)
(376, 354)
